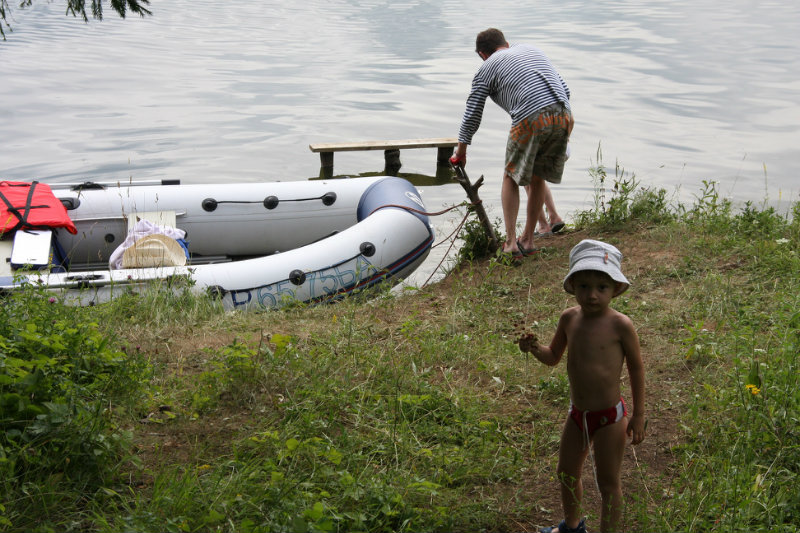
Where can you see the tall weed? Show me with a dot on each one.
(622, 201)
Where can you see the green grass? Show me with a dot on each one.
(415, 412)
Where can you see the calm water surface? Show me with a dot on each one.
(677, 92)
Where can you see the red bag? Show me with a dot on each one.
(31, 206)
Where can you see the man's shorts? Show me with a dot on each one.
(537, 146)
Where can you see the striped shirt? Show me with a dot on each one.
(519, 79)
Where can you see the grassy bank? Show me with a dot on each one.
(416, 412)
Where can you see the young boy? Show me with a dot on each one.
(598, 340)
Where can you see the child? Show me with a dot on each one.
(598, 340)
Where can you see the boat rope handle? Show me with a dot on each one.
(270, 202)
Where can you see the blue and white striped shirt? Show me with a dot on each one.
(520, 79)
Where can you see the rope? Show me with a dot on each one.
(451, 237)
(425, 213)
(452, 243)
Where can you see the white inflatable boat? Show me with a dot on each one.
(253, 245)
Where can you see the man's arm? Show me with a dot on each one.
(471, 121)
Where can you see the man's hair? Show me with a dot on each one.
(489, 41)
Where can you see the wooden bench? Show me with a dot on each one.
(391, 151)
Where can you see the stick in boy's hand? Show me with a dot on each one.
(528, 342)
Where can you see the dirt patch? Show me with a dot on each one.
(648, 262)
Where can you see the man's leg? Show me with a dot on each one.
(509, 196)
(552, 215)
(533, 211)
(543, 226)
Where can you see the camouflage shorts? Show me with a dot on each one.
(537, 146)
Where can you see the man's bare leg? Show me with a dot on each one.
(533, 211)
(509, 196)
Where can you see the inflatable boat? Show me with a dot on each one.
(252, 245)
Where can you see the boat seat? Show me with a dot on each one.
(6, 246)
(160, 218)
(32, 248)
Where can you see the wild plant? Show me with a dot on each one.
(60, 385)
(475, 242)
(623, 201)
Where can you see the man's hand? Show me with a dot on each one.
(458, 161)
(460, 155)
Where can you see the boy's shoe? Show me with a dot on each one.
(562, 528)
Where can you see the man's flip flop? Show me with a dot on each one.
(562, 528)
(526, 252)
(514, 256)
(558, 226)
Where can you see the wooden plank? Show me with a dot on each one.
(384, 145)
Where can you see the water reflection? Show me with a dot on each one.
(677, 92)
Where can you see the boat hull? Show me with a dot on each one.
(260, 246)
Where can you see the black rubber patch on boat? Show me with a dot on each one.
(297, 276)
(216, 292)
(367, 249)
(329, 198)
(271, 202)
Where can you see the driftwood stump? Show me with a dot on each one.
(477, 204)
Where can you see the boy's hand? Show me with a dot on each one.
(636, 428)
(528, 343)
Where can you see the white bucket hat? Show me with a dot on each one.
(596, 255)
(154, 250)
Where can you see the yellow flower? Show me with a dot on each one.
(752, 388)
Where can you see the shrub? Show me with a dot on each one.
(59, 382)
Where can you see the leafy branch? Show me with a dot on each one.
(79, 8)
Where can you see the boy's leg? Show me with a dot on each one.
(609, 448)
(571, 455)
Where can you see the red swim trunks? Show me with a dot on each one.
(590, 421)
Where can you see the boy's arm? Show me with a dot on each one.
(549, 355)
(633, 359)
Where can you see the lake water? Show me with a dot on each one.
(203, 91)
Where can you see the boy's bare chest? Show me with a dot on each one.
(594, 342)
